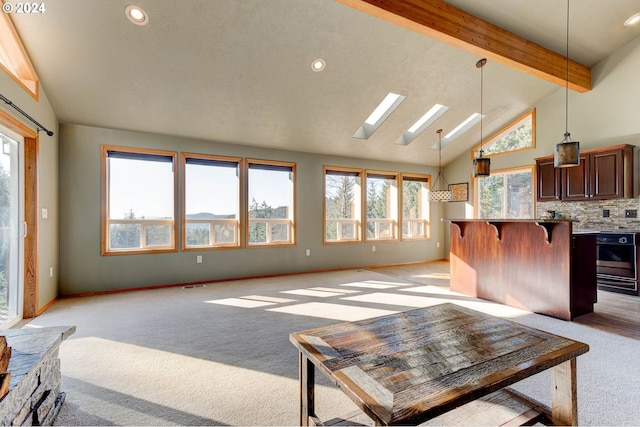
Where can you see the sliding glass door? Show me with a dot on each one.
(11, 228)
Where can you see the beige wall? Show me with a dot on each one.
(83, 269)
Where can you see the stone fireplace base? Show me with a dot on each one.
(34, 396)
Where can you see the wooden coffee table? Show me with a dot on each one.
(410, 367)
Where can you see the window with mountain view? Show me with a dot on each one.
(382, 206)
(506, 194)
(139, 187)
(211, 201)
(271, 206)
(519, 135)
(342, 205)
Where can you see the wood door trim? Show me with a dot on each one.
(31, 277)
(31, 151)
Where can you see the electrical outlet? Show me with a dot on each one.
(199, 259)
(630, 213)
(373, 248)
(605, 213)
(308, 252)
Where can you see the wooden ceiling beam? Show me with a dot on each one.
(444, 22)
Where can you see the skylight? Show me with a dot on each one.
(379, 115)
(13, 58)
(460, 129)
(423, 123)
(633, 20)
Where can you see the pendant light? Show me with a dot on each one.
(439, 193)
(481, 165)
(567, 153)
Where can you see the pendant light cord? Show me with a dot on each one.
(566, 103)
(440, 174)
(480, 64)
(481, 104)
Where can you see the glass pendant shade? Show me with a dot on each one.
(481, 167)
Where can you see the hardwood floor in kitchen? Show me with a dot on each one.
(614, 312)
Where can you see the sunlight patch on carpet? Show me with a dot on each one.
(269, 299)
(332, 311)
(342, 291)
(368, 285)
(395, 299)
(242, 303)
(312, 293)
(428, 289)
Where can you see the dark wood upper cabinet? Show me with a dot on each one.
(576, 183)
(603, 173)
(548, 178)
(608, 176)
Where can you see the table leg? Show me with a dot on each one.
(564, 405)
(307, 383)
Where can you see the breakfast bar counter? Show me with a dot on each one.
(537, 265)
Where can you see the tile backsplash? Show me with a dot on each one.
(588, 215)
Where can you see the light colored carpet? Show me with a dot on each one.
(220, 354)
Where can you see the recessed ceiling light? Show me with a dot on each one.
(136, 15)
(318, 65)
(633, 19)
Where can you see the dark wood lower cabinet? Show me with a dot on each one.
(539, 266)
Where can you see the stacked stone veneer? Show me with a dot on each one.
(34, 396)
(588, 215)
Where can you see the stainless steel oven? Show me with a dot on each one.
(616, 262)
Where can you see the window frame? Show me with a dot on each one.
(105, 249)
(239, 229)
(293, 216)
(22, 71)
(506, 130)
(395, 221)
(426, 216)
(358, 216)
(513, 170)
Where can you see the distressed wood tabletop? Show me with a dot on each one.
(408, 367)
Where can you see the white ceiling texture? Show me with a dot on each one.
(239, 71)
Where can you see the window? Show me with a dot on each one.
(506, 194)
(382, 206)
(139, 188)
(342, 205)
(415, 207)
(211, 201)
(13, 58)
(271, 189)
(519, 135)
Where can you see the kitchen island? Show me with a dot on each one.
(537, 265)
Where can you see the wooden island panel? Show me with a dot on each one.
(538, 266)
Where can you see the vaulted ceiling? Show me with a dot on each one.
(239, 71)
